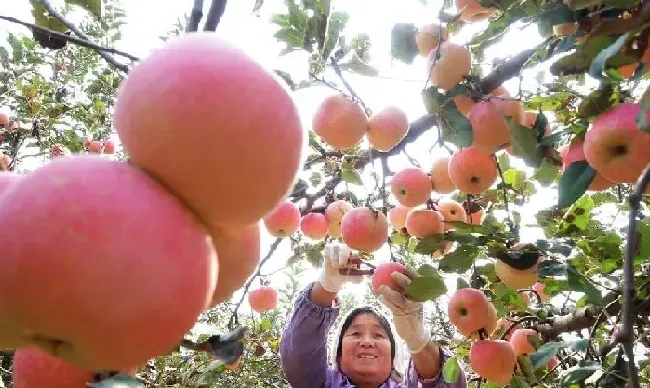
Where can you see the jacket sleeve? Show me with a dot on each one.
(303, 346)
(413, 380)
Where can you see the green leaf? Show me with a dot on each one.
(498, 26)
(574, 182)
(504, 161)
(92, 6)
(544, 354)
(545, 174)
(351, 176)
(580, 373)
(402, 42)
(642, 117)
(578, 62)
(424, 288)
(550, 268)
(461, 283)
(455, 126)
(552, 102)
(597, 101)
(398, 237)
(514, 177)
(460, 260)
(597, 66)
(578, 282)
(297, 17)
(427, 270)
(643, 250)
(524, 142)
(290, 36)
(518, 382)
(43, 18)
(433, 99)
(451, 370)
(541, 122)
(557, 14)
(430, 244)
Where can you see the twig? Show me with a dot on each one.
(505, 194)
(217, 8)
(440, 40)
(234, 319)
(329, 186)
(337, 70)
(517, 322)
(71, 39)
(626, 334)
(195, 16)
(108, 57)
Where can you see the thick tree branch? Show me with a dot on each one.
(613, 26)
(217, 8)
(71, 39)
(508, 69)
(578, 320)
(108, 57)
(195, 16)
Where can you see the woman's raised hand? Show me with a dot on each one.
(337, 257)
(407, 314)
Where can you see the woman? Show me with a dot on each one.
(366, 347)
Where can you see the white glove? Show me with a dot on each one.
(337, 257)
(407, 314)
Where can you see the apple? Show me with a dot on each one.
(615, 146)
(364, 229)
(493, 360)
(468, 310)
(263, 299)
(382, 276)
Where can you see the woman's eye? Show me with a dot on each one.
(379, 336)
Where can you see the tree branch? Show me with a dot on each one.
(72, 39)
(501, 74)
(508, 69)
(577, 320)
(354, 95)
(234, 318)
(504, 188)
(108, 57)
(195, 16)
(626, 335)
(217, 8)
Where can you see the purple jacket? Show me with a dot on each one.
(303, 352)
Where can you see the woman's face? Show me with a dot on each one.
(365, 351)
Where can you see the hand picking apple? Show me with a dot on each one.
(366, 347)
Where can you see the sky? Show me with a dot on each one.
(397, 84)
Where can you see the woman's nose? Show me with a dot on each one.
(367, 341)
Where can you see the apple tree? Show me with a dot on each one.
(455, 192)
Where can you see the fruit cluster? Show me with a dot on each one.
(108, 264)
(497, 342)
(613, 146)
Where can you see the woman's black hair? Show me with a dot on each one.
(348, 322)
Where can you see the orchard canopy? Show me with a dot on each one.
(496, 145)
